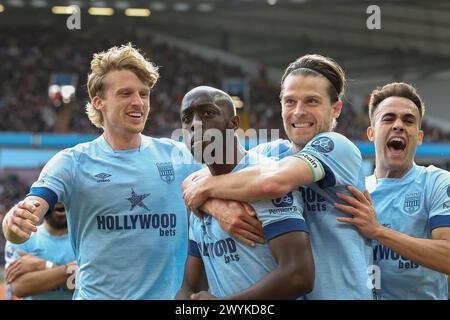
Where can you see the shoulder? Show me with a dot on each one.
(253, 159)
(267, 147)
(435, 177)
(434, 171)
(163, 142)
(76, 151)
(326, 142)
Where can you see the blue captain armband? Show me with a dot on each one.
(46, 194)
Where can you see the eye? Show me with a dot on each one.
(144, 94)
(289, 102)
(209, 113)
(186, 118)
(312, 101)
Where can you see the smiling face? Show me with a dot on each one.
(125, 105)
(396, 134)
(306, 108)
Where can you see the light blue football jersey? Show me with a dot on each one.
(230, 265)
(415, 205)
(341, 255)
(45, 246)
(126, 216)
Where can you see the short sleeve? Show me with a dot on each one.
(193, 244)
(56, 179)
(439, 213)
(280, 216)
(340, 158)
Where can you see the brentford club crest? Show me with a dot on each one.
(166, 171)
(412, 202)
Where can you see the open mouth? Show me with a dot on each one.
(135, 115)
(396, 145)
(300, 125)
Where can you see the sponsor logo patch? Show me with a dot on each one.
(285, 201)
(323, 144)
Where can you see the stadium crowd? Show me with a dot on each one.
(35, 54)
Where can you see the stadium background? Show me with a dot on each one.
(241, 46)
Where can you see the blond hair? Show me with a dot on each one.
(125, 57)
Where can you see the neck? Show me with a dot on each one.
(381, 172)
(238, 153)
(296, 148)
(120, 141)
(53, 231)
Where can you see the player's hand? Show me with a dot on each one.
(239, 220)
(362, 212)
(195, 195)
(194, 176)
(21, 219)
(26, 263)
(203, 295)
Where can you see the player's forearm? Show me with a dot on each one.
(247, 185)
(37, 282)
(285, 282)
(431, 253)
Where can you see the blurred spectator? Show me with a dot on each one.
(12, 190)
(34, 54)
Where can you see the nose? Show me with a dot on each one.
(398, 125)
(196, 125)
(137, 99)
(299, 109)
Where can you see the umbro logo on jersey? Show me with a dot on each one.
(103, 177)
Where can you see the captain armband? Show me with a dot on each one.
(314, 164)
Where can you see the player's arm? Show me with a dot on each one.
(37, 282)
(432, 253)
(255, 183)
(22, 219)
(194, 279)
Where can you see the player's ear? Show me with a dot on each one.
(234, 123)
(370, 133)
(97, 102)
(337, 107)
(420, 138)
